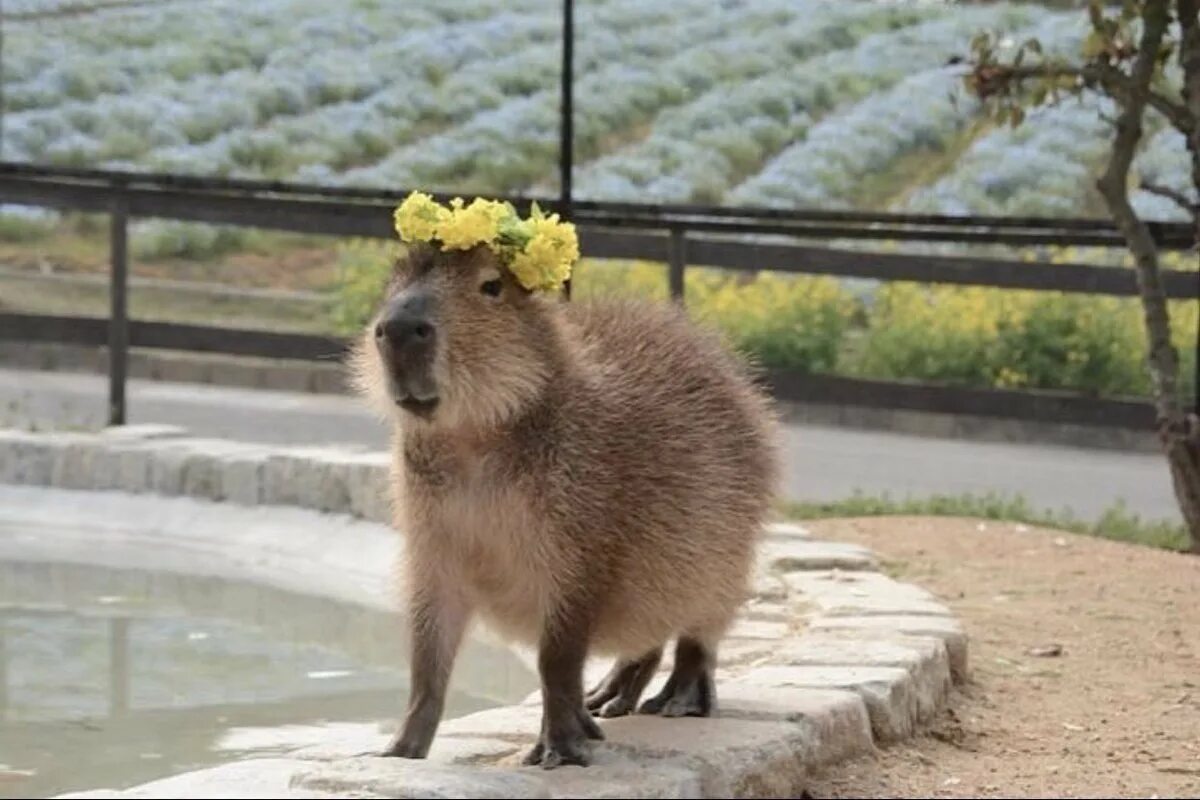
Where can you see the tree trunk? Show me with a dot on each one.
(1176, 430)
(1189, 62)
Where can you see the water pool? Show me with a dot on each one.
(113, 677)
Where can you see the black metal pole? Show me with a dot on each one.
(566, 145)
(118, 321)
(567, 127)
(2, 95)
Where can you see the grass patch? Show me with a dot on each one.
(1116, 522)
(33, 296)
(890, 187)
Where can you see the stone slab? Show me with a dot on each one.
(366, 740)
(734, 757)
(893, 700)
(142, 432)
(837, 722)
(611, 775)
(786, 530)
(852, 594)
(794, 554)
(253, 778)
(406, 778)
(944, 628)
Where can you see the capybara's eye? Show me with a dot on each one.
(491, 288)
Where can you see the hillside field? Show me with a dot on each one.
(827, 104)
(786, 103)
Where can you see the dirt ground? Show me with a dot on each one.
(1116, 713)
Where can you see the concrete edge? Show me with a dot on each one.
(828, 660)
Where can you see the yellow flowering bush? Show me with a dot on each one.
(790, 321)
(1016, 339)
(793, 322)
(971, 336)
(540, 250)
(612, 278)
(942, 333)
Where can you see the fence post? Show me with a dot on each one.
(676, 263)
(118, 320)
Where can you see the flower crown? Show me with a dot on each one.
(539, 251)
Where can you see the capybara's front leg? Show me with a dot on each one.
(437, 621)
(566, 724)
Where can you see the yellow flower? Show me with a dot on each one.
(539, 250)
(418, 217)
(546, 259)
(478, 223)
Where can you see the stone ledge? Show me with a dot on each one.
(827, 659)
(164, 460)
(864, 594)
(789, 555)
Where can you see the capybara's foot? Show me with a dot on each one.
(617, 694)
(405, 748)
(590, 728)
(568, 745)
(689, 691)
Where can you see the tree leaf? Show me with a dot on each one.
(1038, 94)
(1095, 44)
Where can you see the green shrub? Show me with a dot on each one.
(21, 226)
(930, 333)
(363, 270)
(791, 322)
(1117, 522)
(779, 320)
(1021, 339)
(593, 278)
(190, 240)
(972, 336)
(1092, 344)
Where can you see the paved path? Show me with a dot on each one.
(822, 463)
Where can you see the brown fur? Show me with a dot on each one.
(604, 464)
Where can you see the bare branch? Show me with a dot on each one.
(1177, 197)
(1108, 76)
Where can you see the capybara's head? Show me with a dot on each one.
(456, 340)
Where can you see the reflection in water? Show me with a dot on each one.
(109, 678)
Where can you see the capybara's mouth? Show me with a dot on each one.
(413, 388)
(418, 407)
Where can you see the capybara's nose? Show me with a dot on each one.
(407, 323)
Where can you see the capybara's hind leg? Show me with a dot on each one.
(617, 694)
(689, 691)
